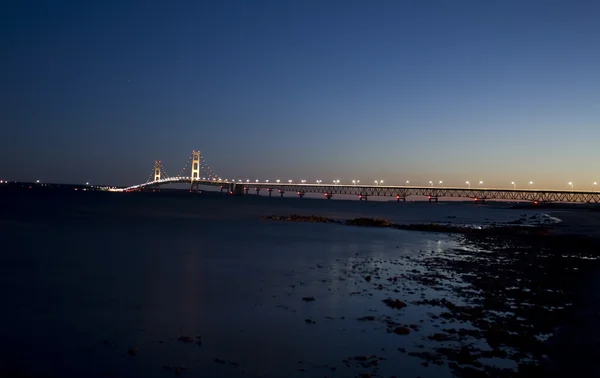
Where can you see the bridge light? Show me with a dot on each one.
(278, 181)
(571, 183)
(290, 181)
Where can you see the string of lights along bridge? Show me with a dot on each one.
(196, 172)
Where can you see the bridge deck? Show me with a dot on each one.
(532, 195)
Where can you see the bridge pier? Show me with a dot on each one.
(301, 194)
(362, 197)
(236, 189)
(328, 195)
(195, 184)
(270, 190)
(246, 189)
(433, 199)
(257, 191)
(281, 193)
(398, 197)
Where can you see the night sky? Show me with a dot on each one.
(419, 90)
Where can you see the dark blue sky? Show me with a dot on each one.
(395, 90)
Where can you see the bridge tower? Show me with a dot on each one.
(196, 166)
(196, 172)
(157, 173)
(157, 170)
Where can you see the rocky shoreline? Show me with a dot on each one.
(516, 227)
(517, 287)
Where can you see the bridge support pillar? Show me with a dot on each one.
(257, 191)
(246, 190)
(398, 198)
(196, 185)
(270, 192)
(363, 197)
(236, 189)
(281, 193)
(301, 194)
(433, 199)
(328, 195)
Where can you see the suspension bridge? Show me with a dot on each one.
(197, 173)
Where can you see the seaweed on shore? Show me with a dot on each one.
(521, 288)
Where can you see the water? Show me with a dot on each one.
(86, 278)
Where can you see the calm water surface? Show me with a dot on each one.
(85, 279)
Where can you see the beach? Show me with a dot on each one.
(111, 284)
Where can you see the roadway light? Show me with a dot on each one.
(247, 180)
(407, 182)
(530, 183)
(278, 181)
(267, 181)
(354, 182)
(431, 183)
(290, 181)
(381, 182)
(571, 183)
(37, 181)
(319, 181)
(87, 183)
(440, 183)
(480, 182)
(303, 181)
(595, 183)
(468, 183)
(256, 180)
